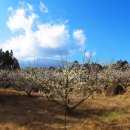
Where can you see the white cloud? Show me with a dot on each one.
(22, 45)
(47, 40)
(20, 20)
(52, 36)
(90, 54)
(43, 8)
(79, 37)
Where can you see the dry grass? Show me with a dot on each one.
(20, 112)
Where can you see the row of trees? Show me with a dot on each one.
(63, 85)
(119, 65)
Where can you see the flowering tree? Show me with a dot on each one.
(62, 86)
(113, 77)
(5, 81)
(20, 81)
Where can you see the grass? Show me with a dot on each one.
(20, 112)
(113, 114)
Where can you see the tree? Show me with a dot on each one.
(75, 65)
(120, 65)
(63, 86)
(113, 78)
(4, 79)
(7, 60)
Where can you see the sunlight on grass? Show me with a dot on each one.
(113, 114)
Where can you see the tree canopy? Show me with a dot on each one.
(7, 60)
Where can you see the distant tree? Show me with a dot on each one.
(93, 65)
(75, 65)
(120, 65)
(123, 65)
(7, 60)
(15, 63)
(52, 68)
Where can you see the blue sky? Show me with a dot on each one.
(50, 28)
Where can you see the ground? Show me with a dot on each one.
(20, 112)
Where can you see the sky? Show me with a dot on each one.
(52, 29)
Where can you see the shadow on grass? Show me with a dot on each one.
(35, 113)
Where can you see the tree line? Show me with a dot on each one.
(7, 60)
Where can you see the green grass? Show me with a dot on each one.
(113, 114)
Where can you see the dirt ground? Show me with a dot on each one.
(20, 112)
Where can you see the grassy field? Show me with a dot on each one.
(20, 112)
